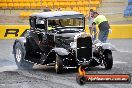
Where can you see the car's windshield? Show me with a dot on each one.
(70, 22)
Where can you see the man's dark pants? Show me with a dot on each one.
(103, 35)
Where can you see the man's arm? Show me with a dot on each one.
(93, 25)
(88, 17)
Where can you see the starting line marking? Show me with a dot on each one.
(119, 62)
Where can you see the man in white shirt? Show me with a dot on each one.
(90, 21)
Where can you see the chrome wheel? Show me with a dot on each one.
(18, 55)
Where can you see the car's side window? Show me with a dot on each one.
(40, 24)
(32, 23)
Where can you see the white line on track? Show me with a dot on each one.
(119, 62)
(124, 51)
(8, 68)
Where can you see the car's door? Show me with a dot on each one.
(33, 33)
(37, 32)
(38, 39)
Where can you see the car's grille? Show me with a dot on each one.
(69, 40)
(84, 48)
(63, 42)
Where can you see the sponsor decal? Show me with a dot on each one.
(83, 78)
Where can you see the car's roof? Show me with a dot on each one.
(58, 14)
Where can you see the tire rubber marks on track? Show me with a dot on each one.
(14, 67)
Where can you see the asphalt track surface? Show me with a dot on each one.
(45, 77)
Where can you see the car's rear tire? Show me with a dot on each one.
(58, 64)
(20, 55)
(108, 61)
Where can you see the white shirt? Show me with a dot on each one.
(90, 21)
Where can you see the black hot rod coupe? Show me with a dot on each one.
(59, 38)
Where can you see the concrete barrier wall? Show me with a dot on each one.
(15, 31)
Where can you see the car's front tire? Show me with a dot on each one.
(20, 55)
(58, 64)
(108, 60)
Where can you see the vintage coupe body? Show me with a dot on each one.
(58, 38)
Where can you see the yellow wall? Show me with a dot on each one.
(121, 31)
(118, 31)
(3, 29)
